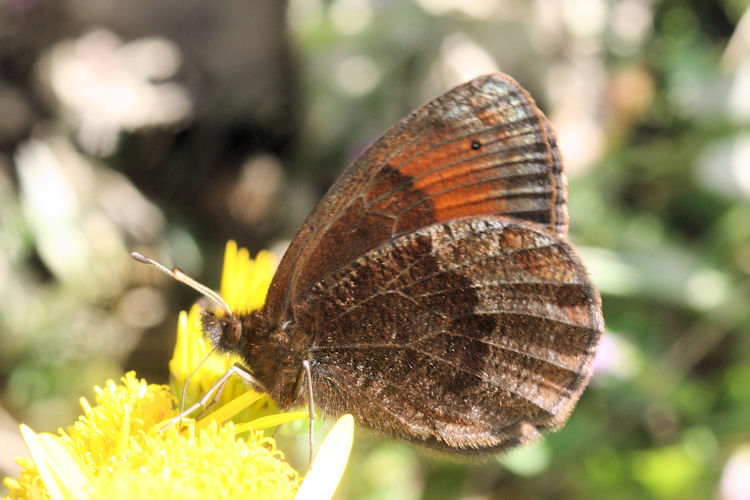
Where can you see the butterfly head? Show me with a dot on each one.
(225, 331)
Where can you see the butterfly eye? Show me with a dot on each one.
(233, 332)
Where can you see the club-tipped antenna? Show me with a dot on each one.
(184, 278)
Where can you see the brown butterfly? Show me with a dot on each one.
(432, 292)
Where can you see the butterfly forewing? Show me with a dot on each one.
(469, 335)
(483, 148)
(559, 221)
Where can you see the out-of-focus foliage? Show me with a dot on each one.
(649, 98)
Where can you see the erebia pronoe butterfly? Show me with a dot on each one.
(432, 293)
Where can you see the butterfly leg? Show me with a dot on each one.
(245, 375)
(310, 405)
(215, 390)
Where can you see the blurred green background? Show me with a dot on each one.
(169, 127)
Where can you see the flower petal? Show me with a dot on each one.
(229, 410)
(326, 470)
(271, 421)
(63, 474)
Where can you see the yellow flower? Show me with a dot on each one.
(117, 450)
(119, 447)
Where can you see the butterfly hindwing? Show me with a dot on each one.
(470, 335)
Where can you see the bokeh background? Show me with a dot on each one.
(168, 127)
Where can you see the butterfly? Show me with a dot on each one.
(432, 293)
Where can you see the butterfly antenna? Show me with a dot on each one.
(184, 278)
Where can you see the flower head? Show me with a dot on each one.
(118, 450)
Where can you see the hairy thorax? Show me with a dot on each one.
(274, 353)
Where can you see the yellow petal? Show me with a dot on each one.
(271, 421)
(326, 470)
(228, 271)
(229, 410)
(63, 475)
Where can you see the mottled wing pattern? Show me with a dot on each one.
(560, 197)
(470, 335)
(483, 148)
